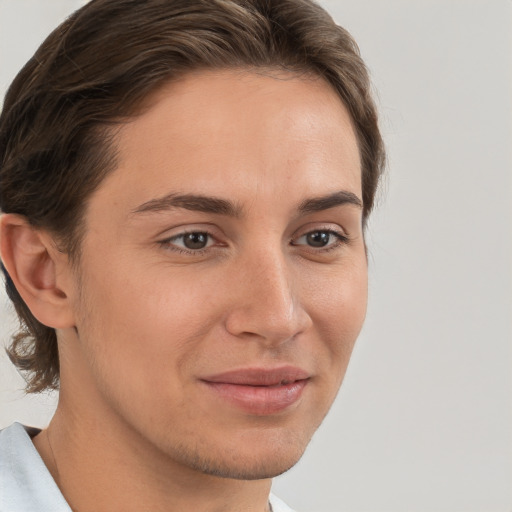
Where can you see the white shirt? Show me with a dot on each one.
(26, 485)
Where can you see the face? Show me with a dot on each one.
(223, 275)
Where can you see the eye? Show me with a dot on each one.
(321, 239)
(191, 242)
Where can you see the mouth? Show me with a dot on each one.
(259, 391)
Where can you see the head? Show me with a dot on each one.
(132, 114)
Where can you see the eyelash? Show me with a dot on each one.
(341, 239)
(167, 243)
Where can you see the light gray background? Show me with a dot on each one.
(424, 419)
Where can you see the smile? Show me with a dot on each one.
(259, 391)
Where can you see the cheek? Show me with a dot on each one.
(338, 308)
(340, 296)
(147, 323)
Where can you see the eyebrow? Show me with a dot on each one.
(220, 206)
(192, 202)
(318, 204)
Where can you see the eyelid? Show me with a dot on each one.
(185, 233)
(181, 229)
(336, 229)
(168, 241)
(341, 238)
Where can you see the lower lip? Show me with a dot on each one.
(259, 400)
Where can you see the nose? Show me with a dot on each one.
(266, 302)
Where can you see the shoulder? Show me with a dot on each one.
(278, 505)
(25, 482)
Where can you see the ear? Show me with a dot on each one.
(38, 269)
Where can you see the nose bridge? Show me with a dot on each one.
(271, 278)
(268, 304)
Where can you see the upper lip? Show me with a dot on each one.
(259, 376)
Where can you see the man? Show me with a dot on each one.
(185, 186)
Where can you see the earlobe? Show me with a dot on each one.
(37, 269)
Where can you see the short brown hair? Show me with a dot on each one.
(95, 69)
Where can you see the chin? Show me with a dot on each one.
(248, 461)
(254, 468)
(262, 472)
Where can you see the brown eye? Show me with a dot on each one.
(191, 242)
(195, 241)
(318, 238)
(321, 239)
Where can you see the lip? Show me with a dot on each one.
(259, 391)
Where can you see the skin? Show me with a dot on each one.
(142, 319)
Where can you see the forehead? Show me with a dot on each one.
(232, 131)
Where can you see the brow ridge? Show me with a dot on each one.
(219, 206)
(192, 202)
(339, 198)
